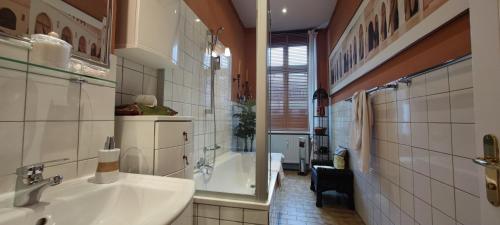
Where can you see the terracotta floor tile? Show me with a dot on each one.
(295, 204)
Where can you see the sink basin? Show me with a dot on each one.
(134, 199)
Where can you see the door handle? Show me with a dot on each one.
(491, 165)
(186, 159)
(185, 136)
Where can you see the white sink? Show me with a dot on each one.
(133, 200)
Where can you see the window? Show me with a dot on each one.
(67, 35)
(288, 81)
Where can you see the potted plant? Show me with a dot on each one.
(246, 124)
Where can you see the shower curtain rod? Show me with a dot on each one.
(407, 79)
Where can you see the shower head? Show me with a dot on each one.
(215, 36)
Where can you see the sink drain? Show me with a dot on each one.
(41, 221)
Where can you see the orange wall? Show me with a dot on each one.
(217, 13)
(250, 57)
(450, 41)
(344, 11)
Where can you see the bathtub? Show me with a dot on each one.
(233, 173)
(229, 188)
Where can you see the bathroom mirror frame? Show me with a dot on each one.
(105, 49)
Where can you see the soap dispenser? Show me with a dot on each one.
(107, 167)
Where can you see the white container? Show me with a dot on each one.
(49, 50)
(108, 165)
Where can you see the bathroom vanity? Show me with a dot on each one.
(155, 145)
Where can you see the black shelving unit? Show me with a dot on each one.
(321, 121)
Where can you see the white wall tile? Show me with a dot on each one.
(417, 87)
(11, 137)
(439, 107)
(418, 109)
(403, 92)
(440, 218)
(463, 140)
(392, 112)
(132, 82)
(421, 160)
(423, 212)
(466, 172)
(468, 208)
(51, 99)
(441, 167)
(207, 221)
(440, 137)
(461, 75)
(404, 133)
(68, 171)
(12, 94)
(97, 103)
(437, 81)
(405, 156)
(422, 187)
(209, 211)
(462, 106)
(403, 111)
(420, 135)
(92, 136)
(119, 78)
(150, 85)
(407, 202)
(233, 214)
(45, 141)
(87, 167)
(406, 179)
(132, 65)
(443, 198)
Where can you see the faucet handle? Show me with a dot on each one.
(34, 173)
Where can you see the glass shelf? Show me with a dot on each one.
(76, 76)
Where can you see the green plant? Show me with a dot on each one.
(246, 124)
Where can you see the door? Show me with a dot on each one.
(485, 44)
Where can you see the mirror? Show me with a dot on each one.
(83, 24)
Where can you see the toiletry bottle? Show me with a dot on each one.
(107, 167)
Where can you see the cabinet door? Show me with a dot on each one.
(171, 134)
(168, 160)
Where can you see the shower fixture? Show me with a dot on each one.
(216, 49)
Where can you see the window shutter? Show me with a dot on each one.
(288, 82)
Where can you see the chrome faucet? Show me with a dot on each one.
(30, 184)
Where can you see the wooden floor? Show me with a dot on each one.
(296, 205)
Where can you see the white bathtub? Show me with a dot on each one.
(233, 173)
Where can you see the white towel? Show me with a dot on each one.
(147, 100)
(361, 128)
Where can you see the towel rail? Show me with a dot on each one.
(407, 79)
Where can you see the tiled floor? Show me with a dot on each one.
(295, 205)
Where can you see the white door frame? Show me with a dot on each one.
(485, 41)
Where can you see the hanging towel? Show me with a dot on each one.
(361, 128)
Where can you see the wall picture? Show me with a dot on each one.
(380, 23)
(83, 24)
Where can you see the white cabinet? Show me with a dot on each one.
(156, 145)
(147, 31)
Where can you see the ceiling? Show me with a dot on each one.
(301, 14)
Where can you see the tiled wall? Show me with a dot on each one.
(186, 86)
(134, 79)
(420, 169)
(220, 215)
(45, 118)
